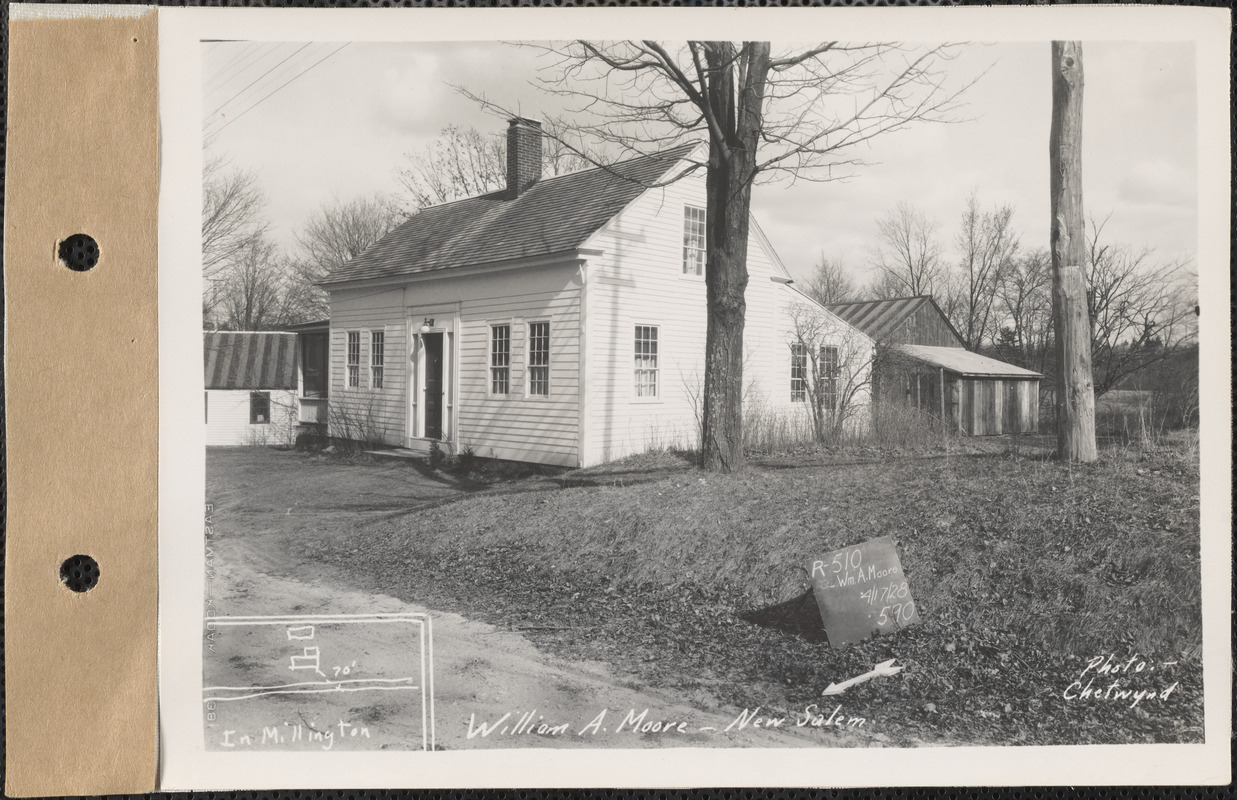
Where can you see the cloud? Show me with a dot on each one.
(342, 130)
(1158, 182)
(410, 95)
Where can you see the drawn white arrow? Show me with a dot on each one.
(884, 668)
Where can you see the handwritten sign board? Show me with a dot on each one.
(861, 591)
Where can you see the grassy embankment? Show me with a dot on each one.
(1022, 568)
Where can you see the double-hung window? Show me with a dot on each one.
(259, 408)
(829, 366)
(354, 359)
(693, 240)
(798, 373)
(646, 361)
(539, 359)
(500, 359)
(377, 348)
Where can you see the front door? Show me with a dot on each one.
(433, 385)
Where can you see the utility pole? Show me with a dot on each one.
(1076, 389)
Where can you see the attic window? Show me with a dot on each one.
(693, 240)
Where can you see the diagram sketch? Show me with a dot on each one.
(342, 682)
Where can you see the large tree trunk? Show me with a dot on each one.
(736, 87)
(726, 284)
(1076, 393)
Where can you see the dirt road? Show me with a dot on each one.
(491, 687)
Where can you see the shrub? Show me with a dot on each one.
(467, 461)
(767, 431)
(437, 458)
(356, 425)
(901, 427)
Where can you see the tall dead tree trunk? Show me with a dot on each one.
(1076, 390)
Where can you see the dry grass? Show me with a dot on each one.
(1022, 568)
(888, 427)
(1071, 557)
(1142, 417)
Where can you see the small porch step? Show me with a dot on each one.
(397, 452)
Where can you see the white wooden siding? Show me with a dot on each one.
(592, 414)
(855, 351)
(639, 280)
(519, 426)
(375, 412)
(515, 426)
(227, 418)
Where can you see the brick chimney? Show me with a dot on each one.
(523, 155)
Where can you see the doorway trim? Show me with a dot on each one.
(445, 322)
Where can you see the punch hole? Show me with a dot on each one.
(79, 252)
(79, 573)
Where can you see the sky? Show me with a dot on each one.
(317, 123)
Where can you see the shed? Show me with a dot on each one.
(923, 361)
(983, 396)
(251, 387)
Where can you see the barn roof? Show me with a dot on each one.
(881, 318)
(964, 362)
(250, 360)
(554, 215)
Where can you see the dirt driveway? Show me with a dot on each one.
(491, 687)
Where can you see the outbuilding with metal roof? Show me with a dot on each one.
(924, 363)
(251, 382)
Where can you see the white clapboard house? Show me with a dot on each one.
(251, 387)
(560, 320)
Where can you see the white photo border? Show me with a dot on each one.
(186, 765)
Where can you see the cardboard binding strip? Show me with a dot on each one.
(81, 361)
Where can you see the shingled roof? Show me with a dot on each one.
(250, 360)
(880, 318)
(554, 215)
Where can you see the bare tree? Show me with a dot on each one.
(833, 363)
(336, 233)
(232, 207)
(1024, 299)
(798, 114)
(907, 260)
(254, 291)
(462, 162)
(557, 157)
(1075, 386)
(987, 245)
(830, 282)
(1141, 313)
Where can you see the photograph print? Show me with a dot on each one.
(697, 394)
